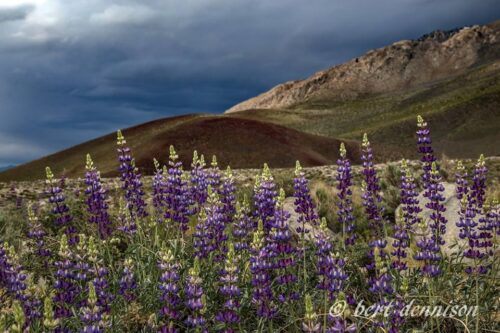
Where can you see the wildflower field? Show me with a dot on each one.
(194, 253)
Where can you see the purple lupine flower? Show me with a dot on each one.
(203, 237)
(213, 175)
(243, 226)
(330, 268)
(198, 182)
(344, 194)
(478, 186)
(371, 202)
(37, 234)
(379, 280)
(380, 284)
(466, 213)
(169, 287)
(65, 285)
(424, 144)
(310, 323)
(265, 198)
(92, 315)
(409, 197)
(227, 196)
(176, 194)
(60, 210)
(282, 253)
(210, 234)
(158, 191)
(305, 208)
(480, 234)
(430, 248)
(131, 180)
(492, 215)
(371, 190)
(18, 285)
(127, 223)
(304, 205)
(229, 289)
(260, 266)
(81, 269)
(99, 274)
(97, 207)
(400, 244)
(407, 218)
(127, 281)
(461, 181)
(12, 279)
(32, 304)
(195, 299)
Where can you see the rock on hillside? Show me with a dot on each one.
(402, 65)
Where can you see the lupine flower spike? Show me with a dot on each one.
(97, 207)
(344, 194)
(198, 182)
(195, 299)
(158, 191)
(131, 180)
(310, 323)
(430, 248)
(60, 210)
(127, 282)
(176, 194)
(169, 287)
(261, 280)
(283, 253)
(265, 198)
(229, 280)
(424, 144)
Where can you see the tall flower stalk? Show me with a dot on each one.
(260, 265)
(424, 144)
(176, 194)
(344, 194)
(97, 207)
(37, 234)
(198, 182)
(229, 288)
(282, 253)
(158, 191)
(57, 200)
(243, 226)
(430, 248)
(265, 198)
(131, 179)
(195, 299)
(169, 287)
(227, 196)
(306, 209)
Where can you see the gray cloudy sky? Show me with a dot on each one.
(71, 70)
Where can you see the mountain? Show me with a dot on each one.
(238, 142)
(6, 167)
(452, 78)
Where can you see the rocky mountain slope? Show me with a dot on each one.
(451, 78)
(401, 66)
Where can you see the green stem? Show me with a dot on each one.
(477, 303)
(304, 257)
(325, 310)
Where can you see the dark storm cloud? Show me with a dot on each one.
(73, 70)
(14, 13)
